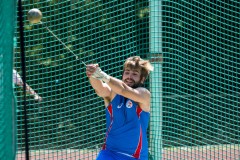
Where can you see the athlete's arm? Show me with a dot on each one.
(17, 78)
(18, 81)
(140, 94)
(33, 93)
(101, 88)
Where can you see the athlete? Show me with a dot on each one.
(18, 81)
(127, 109)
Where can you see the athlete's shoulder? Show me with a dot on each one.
(143, 90)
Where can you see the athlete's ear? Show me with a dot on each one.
(143, 79)
(122, 73)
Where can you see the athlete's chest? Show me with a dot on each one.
(123, 110)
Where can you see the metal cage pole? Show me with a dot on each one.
(155, 38)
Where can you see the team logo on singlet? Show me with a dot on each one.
(129, 104)
(120, 105)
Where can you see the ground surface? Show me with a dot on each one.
(222, 152)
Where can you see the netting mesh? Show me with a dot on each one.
(200, 77)
(195, 85)
(71, 116)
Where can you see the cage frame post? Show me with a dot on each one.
(155, 48)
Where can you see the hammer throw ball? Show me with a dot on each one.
(34, 15)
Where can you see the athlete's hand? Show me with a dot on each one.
(94, 71)
(90, 69)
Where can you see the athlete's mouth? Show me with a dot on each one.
(129, 81)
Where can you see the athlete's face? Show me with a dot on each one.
(132, 77)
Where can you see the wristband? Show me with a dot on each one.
(100, 75)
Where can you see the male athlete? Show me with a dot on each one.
(127, 109)
(18, 81)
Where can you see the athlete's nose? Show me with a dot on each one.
(130, 76)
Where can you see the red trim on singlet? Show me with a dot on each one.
(139, 146)
(139, 111)
(110, 110)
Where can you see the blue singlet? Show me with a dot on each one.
(126, 134)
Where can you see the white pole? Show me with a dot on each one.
(156, 148)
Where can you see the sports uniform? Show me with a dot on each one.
(126, 135)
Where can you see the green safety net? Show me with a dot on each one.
(193, 45)
(201, 79)
(7, 103)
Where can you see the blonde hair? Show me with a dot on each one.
(136, 62)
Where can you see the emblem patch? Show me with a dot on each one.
(129, 104)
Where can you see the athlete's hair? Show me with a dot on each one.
(136, 62)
